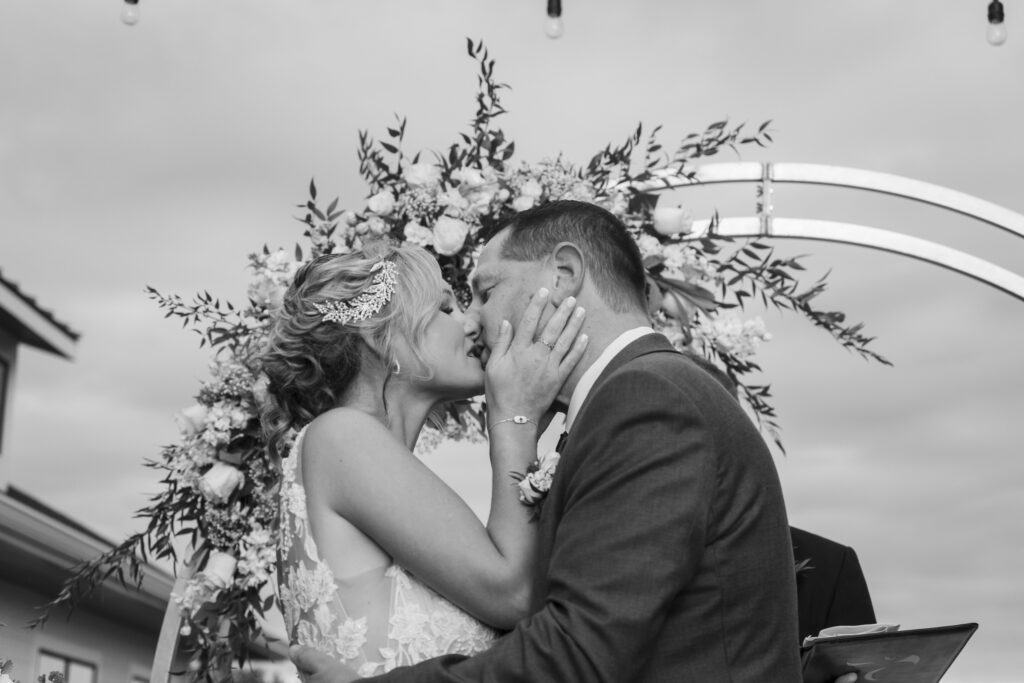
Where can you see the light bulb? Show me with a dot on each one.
(554, 28)
(130, 12)
(996, 34)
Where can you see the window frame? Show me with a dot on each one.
(68, 660)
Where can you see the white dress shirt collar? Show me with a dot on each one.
(586, 383)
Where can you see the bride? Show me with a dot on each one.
(380, 563)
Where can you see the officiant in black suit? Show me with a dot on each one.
(830, 586)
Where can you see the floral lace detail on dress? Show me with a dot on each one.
(419, 623)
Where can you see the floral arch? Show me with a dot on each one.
(219, 485)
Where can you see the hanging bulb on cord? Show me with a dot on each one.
(130, 12)
(996, 32)
(554, 28)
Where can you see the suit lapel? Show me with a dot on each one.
(649, 343)
(550, 508)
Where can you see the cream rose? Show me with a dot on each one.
(523, 202)
(422, 175)
(377, 225)
(452, 198)
(220, 481)
(192, 420)
(449, 235)
(673, 220)
(267, 291)
(531, 188)
(418, 235)
(382, 203)
(220, 569)
(470, 177)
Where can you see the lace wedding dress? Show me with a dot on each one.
(419, 624)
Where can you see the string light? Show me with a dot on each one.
(130, 12)
(554, 28)
(996, 33)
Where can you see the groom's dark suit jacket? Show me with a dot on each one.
(664, 550)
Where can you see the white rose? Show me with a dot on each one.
(469, 177)
(381, 203)
(649, 245)
(673, 220)
(451, 197)
(349, 218)
(268, 292)
(4, 678)
(531, 188)
(220, 568)
(219, 481)
(422, 175)
(191, 421)
(377, 225)
(282, 261)
(418, 235)
(480, 198)
(523, 202)
(449, 235)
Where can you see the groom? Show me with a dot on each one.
(664, 552)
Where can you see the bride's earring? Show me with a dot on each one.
(396, 367)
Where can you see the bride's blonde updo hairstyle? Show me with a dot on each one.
(310, 363)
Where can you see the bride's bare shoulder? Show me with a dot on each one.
(342, 434)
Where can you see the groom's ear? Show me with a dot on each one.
(569, 269)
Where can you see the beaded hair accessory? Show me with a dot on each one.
(367, 303)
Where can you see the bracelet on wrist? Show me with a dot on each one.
(515, 419)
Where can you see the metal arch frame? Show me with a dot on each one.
(872, 238)
(766, 225)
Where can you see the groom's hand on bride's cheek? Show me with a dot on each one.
(317, 667)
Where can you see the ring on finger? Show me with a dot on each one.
(551, 347)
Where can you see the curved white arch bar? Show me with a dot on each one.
(839, 176)
(873, 238)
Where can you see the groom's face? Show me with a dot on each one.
(502, 288)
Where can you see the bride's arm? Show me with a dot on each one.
(371, 480)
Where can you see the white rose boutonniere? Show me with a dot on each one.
(219, 481)
(535, 484)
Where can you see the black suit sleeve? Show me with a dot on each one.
(630, 537)
(851, 603)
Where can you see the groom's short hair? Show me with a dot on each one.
(613, 259)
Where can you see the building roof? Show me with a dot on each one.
(40, 546)
(31, 323)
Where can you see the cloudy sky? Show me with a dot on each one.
(163, 154)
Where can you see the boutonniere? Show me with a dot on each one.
(535, 484)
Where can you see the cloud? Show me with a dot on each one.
(164, 154)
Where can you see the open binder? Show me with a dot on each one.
(914, 656)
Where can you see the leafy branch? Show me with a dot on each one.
(753, 271)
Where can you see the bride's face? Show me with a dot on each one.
(450, 350)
